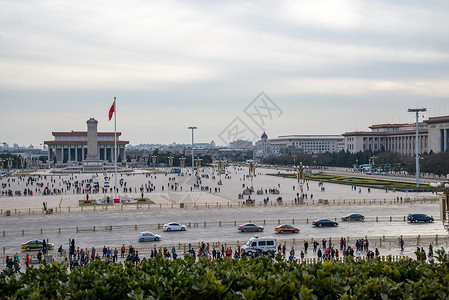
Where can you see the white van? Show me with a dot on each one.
(256, 243)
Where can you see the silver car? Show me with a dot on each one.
(250, 227)
(148, 236)
(174, 226)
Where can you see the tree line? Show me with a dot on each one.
(436, 163)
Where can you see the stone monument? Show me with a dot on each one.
(92, 161)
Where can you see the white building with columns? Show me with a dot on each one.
(72, 146)
(401, 138)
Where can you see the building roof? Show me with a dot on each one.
(442, 119)
(395, 125)
(264, 135)
(82, 133)
(384, 133)
(307, 137)
(84, 142)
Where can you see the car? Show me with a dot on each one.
(250, 227)
(148, 236)
(173, 226)
(106, 184)
(353, 217)
(324, 222)
(419, 218)
(259, 244)
(286, 228)
(36, 244)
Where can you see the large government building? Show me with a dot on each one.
(291, 144)
(401, 138)
(72, 146)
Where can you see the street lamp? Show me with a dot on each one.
(372, 162)
(198, 164)
(146, 161)
(154, 157)
(417, 111)
(9, 163)
(182, 162)
(193, 152)
(220, 170)
(22, 161)
(252, 173)
(1, 163)
(443, 188)
(314, 159)
(301, 178)
(170, 161)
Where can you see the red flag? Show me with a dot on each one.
(111, 110)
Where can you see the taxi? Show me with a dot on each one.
(36, 244)
(286, 228)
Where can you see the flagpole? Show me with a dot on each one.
(115, 145)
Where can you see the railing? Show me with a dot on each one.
(234, 204)
(196, 224)
(182, 248)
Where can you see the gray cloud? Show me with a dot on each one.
(176, 63)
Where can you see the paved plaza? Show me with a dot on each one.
(383, 218)
(174, 189)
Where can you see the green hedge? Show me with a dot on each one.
(362, 182)
(259, 278)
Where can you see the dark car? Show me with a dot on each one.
(353, 217)
(324, 222)
(419, 218)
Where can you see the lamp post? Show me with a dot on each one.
(146, 161)
(372, 162)
(153, 158)
(182, 162)
(170, 161)
(252, 173)
(9, 163)
(314, 159)
(193, 152)
(220, 170)
(417, 111)
(1, 163)
(301, 177)
(198, 164)
(443, 188)
(22, 161)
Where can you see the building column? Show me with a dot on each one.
(445, 140)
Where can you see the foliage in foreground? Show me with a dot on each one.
(234, 279)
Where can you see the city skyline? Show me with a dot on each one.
(329, 67)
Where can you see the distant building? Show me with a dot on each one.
(241, 144)
(72, 146)
(401, 138)
(309, 144)
(263, 149)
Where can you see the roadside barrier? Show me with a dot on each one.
(228, 204)
(374, 242)
(143, 227)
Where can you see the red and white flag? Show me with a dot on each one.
(111, 111)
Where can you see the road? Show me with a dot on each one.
(213, 232)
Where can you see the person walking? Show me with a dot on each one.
(115, 256)
(122, 250)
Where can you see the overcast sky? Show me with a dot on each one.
(327, 67)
